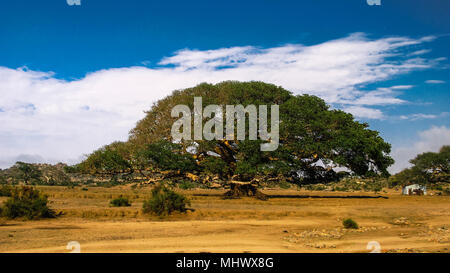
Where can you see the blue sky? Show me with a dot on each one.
(97, 66)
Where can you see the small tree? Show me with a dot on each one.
(28, 172)
(164, 201)
(27, 202)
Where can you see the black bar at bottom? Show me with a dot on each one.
(217, 262)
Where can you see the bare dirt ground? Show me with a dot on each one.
(398, 224)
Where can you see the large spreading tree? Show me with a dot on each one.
(313, 140)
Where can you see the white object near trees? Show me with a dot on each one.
(414, 189)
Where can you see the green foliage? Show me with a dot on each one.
(110, 159)
(120, 202)
(6, 190)
(185, 184)
(245, 170)
(36, 174)
(433, 166)
(349, 184)
(27, 202)
(284, 185)
(165, 155)
(433, 162)
(29, 173)
(215, 165)
(325, 134)
(427, 168)
(377, 188)
(164, 201)
(71, 169)
(316, 187)
(409, 175)
(339, 188)
(350, 224)
(329, 135)
(310, 131)
(2, 178)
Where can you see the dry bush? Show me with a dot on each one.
(27, 202)
(350, 224)
(164, 201)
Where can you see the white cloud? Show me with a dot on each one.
(60, 120)
(380, 96)
(402, 87)
(419, 52)
(434, 81)
(429, 141)
(420, 116)
(364, 112)
(22, 158)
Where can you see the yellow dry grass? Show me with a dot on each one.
(399, 224)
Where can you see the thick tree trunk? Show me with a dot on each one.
(242, 189)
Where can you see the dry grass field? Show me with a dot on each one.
(399, 224)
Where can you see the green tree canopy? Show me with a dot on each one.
(110, 159)
(311, 134)
(166, 156)
(427, 167)
(433, 166)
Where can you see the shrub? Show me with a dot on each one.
(350, 223)
(316, 187)
(377, 188)
(338, 188)
(120, 202)
(284, 185)
(164, 201)
(5, 190)
(27, 202)
(446, 191)
(185, 185)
